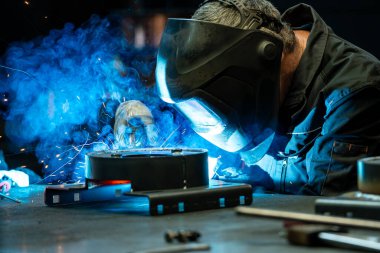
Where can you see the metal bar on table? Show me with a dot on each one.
(309, 218)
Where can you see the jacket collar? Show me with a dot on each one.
(303, 16)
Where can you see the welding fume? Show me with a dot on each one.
(276, 99)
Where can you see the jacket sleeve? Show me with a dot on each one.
(351, 130)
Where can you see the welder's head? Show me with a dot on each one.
(224, 79)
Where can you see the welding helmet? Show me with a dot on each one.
(225, 80)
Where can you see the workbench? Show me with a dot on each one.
(31, 226)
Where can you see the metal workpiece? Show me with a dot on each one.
(150, 168)
(318, 235)
(309, 218)
(369, 175)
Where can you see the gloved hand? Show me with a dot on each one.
(134, 125)
(253, 175)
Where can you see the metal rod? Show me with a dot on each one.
(9, 197)
(309, 218)
(349, 242)
(179, 248)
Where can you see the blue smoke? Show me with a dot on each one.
(64, 89)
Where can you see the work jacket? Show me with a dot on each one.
(331, 115)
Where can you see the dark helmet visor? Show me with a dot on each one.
(225, 80)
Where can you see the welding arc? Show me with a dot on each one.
(309, 218)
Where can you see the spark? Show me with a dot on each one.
(104, 105)
(5, 99)
(45, 17)
(113, 144)
(8, 75)
(19, 70)
(23, 166)
(27, 3)
(22, 149)
(46, 166)
(99, 59)
(170, 135)
(107, 115)
(76, 148)
(78, 97)
(79, 147)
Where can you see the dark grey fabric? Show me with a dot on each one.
(329, 119)
(332, 111)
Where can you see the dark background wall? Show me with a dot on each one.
(356, 20)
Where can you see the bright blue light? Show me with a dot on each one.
(222, 202)
(202, 118)
(64, 90)
(181, 207)
(161, 80)
(212, 127)
(211, 166)
(160, 209)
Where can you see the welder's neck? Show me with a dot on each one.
(290, 61)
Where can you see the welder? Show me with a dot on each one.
(296, 102)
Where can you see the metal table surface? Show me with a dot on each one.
(33, 227)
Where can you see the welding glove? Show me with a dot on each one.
(253, 175)
(134, 125)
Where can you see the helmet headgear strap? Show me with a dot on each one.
(250, 19)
